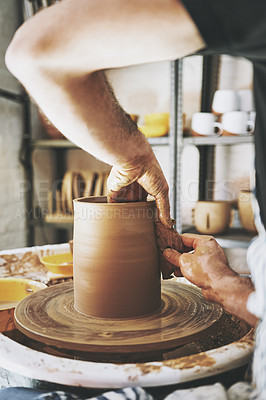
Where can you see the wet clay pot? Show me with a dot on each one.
(115, 258)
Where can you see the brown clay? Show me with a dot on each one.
(49, 316)
(115, 258)
(132, 192)
(168, 238)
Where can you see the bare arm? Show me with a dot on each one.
(58, 56)
(208, 268)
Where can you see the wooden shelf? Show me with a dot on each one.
(232, 238)
(53, 144)
(215, 141)
(66, 144)
(160, 141)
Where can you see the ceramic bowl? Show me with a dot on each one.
(154, 130)
(12, 291)
(59, 263)
(157, 119)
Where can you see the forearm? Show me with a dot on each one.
(86, 111)
(232, 293)
(57, 53)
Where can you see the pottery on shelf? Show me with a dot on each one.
(245, 211)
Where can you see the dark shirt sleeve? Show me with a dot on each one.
(260, 136)
(236, 27)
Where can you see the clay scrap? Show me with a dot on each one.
(168, 238)
(27, 266)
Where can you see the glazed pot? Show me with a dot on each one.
(115, 258)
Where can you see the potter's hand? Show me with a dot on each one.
(147, 172)
(206, 267)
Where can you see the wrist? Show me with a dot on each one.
(232, 292)
(139, 155)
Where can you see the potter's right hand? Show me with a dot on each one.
(147, 172)
(207, 267)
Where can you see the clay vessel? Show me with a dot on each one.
(212, 217)
(115, 258)
(245, 211)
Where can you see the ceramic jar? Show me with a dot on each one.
(115, 258)
(212, 217)
(245, 211)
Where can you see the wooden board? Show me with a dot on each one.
(49, 317)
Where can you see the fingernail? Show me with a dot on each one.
(167, 253)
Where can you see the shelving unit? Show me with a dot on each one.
(66, 144)
(218, 141)
(206, 146)
(63, 145)
(176, 141)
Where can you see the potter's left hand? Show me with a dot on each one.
(147, 172)
(206, 267)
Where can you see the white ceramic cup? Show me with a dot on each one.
(246, 101)
(224, 101)
(204, 124)
(252, 116)
(237, 123)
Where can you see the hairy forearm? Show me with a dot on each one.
(86, 111)
(59, 53)
(232, 293)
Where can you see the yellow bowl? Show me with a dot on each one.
(59, 263)
(157, 119)
(13, 290)
(154, 131)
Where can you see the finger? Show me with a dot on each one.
(117, 180)
(163, 206)
(178, 273)
(172, 256)
(192, 240)
(131, 193)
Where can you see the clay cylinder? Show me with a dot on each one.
(115, 258)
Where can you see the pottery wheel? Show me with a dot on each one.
(49, 317)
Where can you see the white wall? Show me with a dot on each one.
(12, 208)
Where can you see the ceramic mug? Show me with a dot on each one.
(212, 217)
(224, 101)
(204, 124)
(246, 101)
(237, 123)
(245, 211)
(252, 116)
